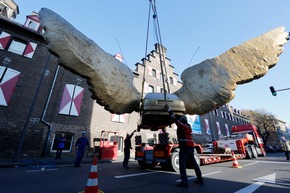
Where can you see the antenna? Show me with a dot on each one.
(121, 52)
(193, 55)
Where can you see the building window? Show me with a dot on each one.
(161, 76)
(4, 40)
(227, 116)
(8, 81)
(170, 80)
(118, 118)
(215, 112)
(231, 117)
(17, 47)
(71, 100)
(150, 88)
(32, 25)
(68, 143)
(153, 72)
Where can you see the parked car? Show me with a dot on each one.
(269, 149)
(153, 115)
(207, 148)
(277, 148)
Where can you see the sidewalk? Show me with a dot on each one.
(51, 162)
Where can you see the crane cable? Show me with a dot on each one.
(152, 5)
(146, 47)
(161, 51)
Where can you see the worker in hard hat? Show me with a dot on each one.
(80, 146)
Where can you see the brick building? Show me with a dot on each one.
(32, 88)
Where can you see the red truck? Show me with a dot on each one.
(245, 142)
(166, 154)
(245, 139)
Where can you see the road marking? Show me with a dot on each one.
(139, 174)
(262, 180)
(270, 162)
(42, 170)
(193, 177)
(250, 164)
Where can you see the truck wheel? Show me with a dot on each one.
(249, 154)
(141, 164)
(254, 151)
(174, 161)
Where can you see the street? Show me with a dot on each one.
(261, 175)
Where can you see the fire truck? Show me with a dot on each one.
(245, 140)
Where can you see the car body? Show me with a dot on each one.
(153, 114)
(277, 148)
(207, 148)
(270, 149)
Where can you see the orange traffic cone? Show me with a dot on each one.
(235, 161)
(92, 183)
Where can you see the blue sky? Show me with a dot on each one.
(210, 25)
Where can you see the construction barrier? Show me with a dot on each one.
(92, 183)
(235, 161)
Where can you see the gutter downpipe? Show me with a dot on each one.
(44, 113)
(23, 133)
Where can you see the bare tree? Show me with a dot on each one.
(263, 120)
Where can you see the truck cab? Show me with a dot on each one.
(245, 139)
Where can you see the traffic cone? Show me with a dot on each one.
(235, 161)
(92, 183)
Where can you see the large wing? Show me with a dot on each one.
(111, 82)
(211, 83)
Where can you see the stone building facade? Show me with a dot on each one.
(8, 9)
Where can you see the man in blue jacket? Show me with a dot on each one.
(81, 144)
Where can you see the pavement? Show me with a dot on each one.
(52, 162)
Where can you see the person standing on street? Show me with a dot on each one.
(186, 146)
(127, 149)
(60, 146)
(81, 144)
(285, 144)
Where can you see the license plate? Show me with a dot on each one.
(162, 103)
(159, 153)
(140, 153)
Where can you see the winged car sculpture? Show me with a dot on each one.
(206, 85)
